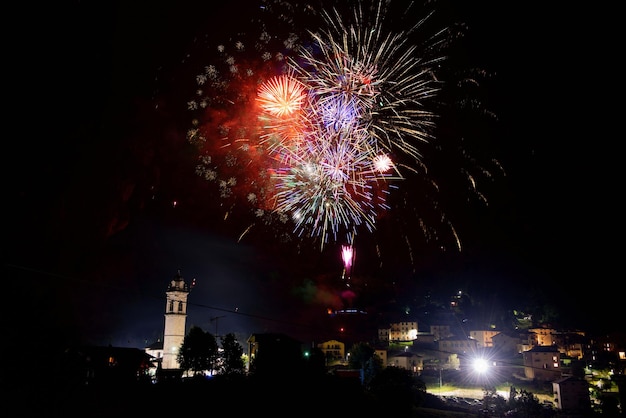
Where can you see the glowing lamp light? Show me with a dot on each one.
(480, 365)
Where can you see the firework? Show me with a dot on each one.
(347, 255)
(281, 96)
(315, 127)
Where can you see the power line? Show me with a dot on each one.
(141, 294)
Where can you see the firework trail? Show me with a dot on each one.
(313, 119)
(347, 256)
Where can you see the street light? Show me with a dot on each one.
(483, 369)
(480, 365)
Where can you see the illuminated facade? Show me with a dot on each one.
(403, 331)
(542, 363)
(334, 351)
(175, 321)
(398, 331)
(406, 360)
(542, 336)
(484, 338)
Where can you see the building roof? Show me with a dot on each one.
(569, 379)
(157, 345)
(544, 349)
(403, 354)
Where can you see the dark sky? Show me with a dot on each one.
(98, 156)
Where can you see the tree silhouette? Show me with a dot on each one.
(363, 357)
(359, 354)
(524, 404)
(398, 389)
(232, 356)
(494, 402)
(198, 352)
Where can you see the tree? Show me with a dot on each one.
(359, 355)
(198, 352)
(494, 402)
(398, 390)
(232, 363)
(363, 356)
(609, 406)
(525, 404)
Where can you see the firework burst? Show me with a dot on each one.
(317, 127)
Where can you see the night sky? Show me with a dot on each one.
(103, 206)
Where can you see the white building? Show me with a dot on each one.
(175, 321)
(398, 331)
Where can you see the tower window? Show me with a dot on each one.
(180, 306)
(171, 309)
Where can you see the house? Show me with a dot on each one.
(608, 351)
(398, 331)
(383, 335)
(403, 331)
(155, 350)
(440, 331)
(511, 343)
(542, 363)
(507, 343)
(453, 349)
(406, 360)
(334, 351)
(542, 336)
(484, 338)
(382, 355)
(571, 344)
(424, 339)
(571, 394)
(457, 345)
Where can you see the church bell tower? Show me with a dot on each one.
(175, 319)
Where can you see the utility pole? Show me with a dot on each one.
(440, 379)
(216, 319)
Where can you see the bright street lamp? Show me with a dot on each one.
(480, 365)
